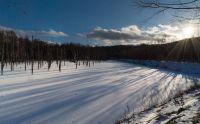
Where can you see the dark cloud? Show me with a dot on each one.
(133, 34)
(103, 34)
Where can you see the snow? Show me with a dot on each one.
(100, 94)
(170, 112)
(178, 67)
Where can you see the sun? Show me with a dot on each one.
(188, 32)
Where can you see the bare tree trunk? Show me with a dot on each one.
(60, 59)
(2, 59)
(60, 65)
(32, 65)
(49, 64)
(25, 65)
(38, 55)
(76, 64)
(12, 54)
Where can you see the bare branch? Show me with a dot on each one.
(175, 6)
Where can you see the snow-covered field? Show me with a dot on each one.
(100, 94)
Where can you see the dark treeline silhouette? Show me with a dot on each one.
(32, 51)
(187, 50)
(15, 50)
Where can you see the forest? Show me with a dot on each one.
(30, 51)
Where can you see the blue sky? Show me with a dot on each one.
(73, 17)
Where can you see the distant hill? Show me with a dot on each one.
(184, 50)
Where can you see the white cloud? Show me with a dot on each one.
(23, 33)
(52, 33)
(81, 35)
(5, 28)
(131, 29)
(135, 35)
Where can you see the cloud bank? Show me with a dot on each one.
(135, 35)
(24, 33)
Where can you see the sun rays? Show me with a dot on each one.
(188, 32)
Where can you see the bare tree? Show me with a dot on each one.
(60, 59)
(175, 5)
(2, 55)
(32, 56)
(178, 8)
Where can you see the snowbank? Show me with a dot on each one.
(192, 69)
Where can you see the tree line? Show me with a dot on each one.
(30, 52)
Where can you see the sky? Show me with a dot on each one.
(93, 22)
